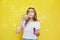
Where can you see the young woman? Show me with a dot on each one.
(30, 25)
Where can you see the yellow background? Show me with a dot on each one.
(48, 12)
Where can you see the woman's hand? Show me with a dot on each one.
(24, 17)
(37, 32)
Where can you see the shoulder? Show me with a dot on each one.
(37, 22)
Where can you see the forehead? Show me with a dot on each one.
(31, 10)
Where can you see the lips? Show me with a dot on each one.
(30, 15)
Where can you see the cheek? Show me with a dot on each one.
(32, 14)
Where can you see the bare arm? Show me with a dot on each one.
(20, 27)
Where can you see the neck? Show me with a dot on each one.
(31, 19)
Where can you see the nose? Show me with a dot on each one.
(30, 13)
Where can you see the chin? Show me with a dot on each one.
(30, 16)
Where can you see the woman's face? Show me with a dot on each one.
(30, 13)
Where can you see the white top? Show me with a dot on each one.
(28, 30)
